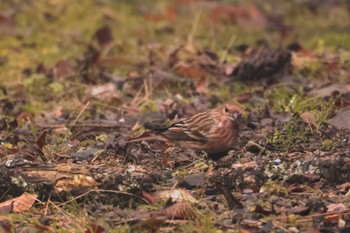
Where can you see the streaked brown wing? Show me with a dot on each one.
(201, 123)
(179, 132)
(195, 128)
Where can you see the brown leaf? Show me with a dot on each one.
(20, 204)
(149, 197)
(332, 218)
(103, 36)
(245, 97)
(328, 90)
(23, 156)
(336, 207)
(6, 207)
(64, 69)
(41, 140)
(77, 181)
(308, 117)
(344, 187)
(174, 195)
(340, 121)
(196, 74)
(232, 202)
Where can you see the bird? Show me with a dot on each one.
(213, 131)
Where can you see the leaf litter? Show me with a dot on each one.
(67, 116)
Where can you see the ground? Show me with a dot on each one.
(79, 79)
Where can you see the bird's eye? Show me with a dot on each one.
(226, 109)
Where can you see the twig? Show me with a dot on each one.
(318, 215)
(80, 113)
(47, 204)
(148, 92)
(124, 109)
(230, 43)
(261, 148)
(194, 28)
(94, 125)
(102, 191)
(137, 96)
(63, 212)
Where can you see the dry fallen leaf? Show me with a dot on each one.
(308, 117)
(340, 121)
(104, 36)
(174, 195)
(196, 74)
(77, 181)
(64, 69)
(328, 90)
(105, 92)
(18, 204)
(149, 197)
(336, 207)
(6, 207)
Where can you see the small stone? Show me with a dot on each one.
(266, 121)
(293, 230)
(277, 161)
(248, 191)
(194, 181)
(341, 223)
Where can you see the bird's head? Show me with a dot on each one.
(232, 111)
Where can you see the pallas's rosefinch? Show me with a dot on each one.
(213, 131)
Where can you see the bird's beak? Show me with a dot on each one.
(235, 116)
(241, 117)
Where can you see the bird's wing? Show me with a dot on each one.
(195, 128)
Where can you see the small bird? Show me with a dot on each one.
(213, 131)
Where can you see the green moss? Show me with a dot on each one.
(328, 145)
(44, 33)
(57, 87)
(149, 106)
(205, 224)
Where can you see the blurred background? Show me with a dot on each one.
(44, 32)
(53, 51)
